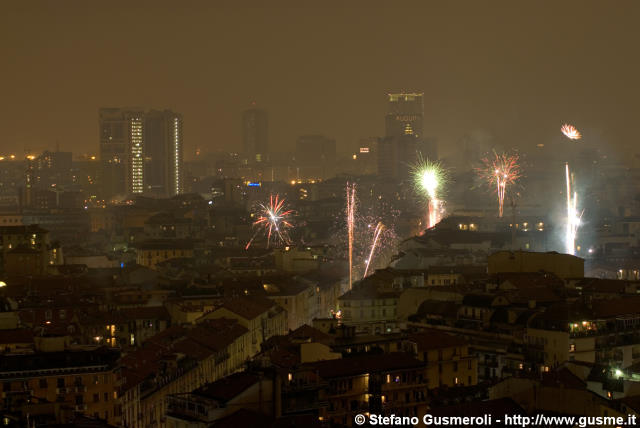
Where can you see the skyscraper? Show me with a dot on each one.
(163, 153)
(387, 158)
(255, 134)
(140, 152)
(405, 115)
(121, 151)
(135, 152)
(403, 129)
(53, 169)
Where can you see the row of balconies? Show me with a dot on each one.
(490, 364)
(53, 372)
(71, 389)
(303, 386)
(221, 358)
(603, 330)
(334, 409)
(400, 385)
(368, 303)
(6, 394)
(360, 406)
(305, 407)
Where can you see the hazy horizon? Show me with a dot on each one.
(512, 70)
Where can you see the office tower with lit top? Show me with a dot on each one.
(255, 135)
(403, 131)
(163, 153)
(405, 115)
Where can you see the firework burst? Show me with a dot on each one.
(571, 132)
(353, 229)
(500, 172)
(429, 178)
(273, 221)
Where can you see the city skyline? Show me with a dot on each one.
(513, 73)
(328, 215)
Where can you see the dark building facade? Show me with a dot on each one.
(163, 153)
(140, 152)
(121, 150)
(403, 133)
(316, 156)
(405, 115)
(255, 134)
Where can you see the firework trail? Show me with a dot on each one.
(501, 171)
(434, 211)
(350, 212)
(273, 221)
(376, 236)
(249, 243)
(366, 214)
(429, 177)
(571, 132)
(573, 218)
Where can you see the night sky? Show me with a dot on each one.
(514, 69)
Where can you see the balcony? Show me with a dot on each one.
(489, 363)
(295, 386)
(341, 392)
(352, 408)
(305, 407)
(390, 387)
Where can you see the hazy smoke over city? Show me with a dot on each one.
(319, 214)
(517, 72)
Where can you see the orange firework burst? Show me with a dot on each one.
(500, 172)
(273, 220)
(571, 132)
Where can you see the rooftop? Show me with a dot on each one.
(22, 230)
(479, 300)
(164, 244)
(364, 364)
(529, 279)
(431, 339)
(500, 406)
(248, 307)
(228, 387)
(564, 378)
(93, 360)
(16, 335)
